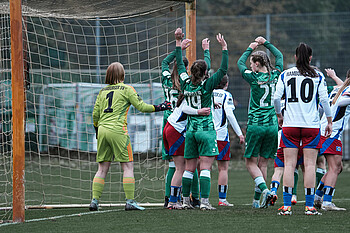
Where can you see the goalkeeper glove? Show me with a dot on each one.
(163, 106)
(96, 130)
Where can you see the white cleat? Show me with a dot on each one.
(332, 207)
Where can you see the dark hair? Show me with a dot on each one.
(175, 74)
(180, 98)
(223, 82)
(115, 73)
(264, 60)
(303, 53)
(198, 71)
(343, 86)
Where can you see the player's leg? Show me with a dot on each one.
(275, 182)
(176, 182)
(195, 202)
(320, 168)
(223, 160)
(334, 169)
(294, 193)
(205, 181)
(98, 184)
(165, 156)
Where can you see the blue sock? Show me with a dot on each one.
(174, 192)
(287, 196)
(309, 197)
(222, 191)
(328, 193)
(319, 190)
(274, 186)
(179, 194)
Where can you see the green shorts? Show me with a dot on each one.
(200, 143)
(111, 144)
(261, 141)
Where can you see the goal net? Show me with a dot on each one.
(67, 49)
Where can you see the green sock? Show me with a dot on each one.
(186, 183)
(204, 180)
(97, 187)
(195, 185)
(257, 193)
(262, 186)
(319, 174)
(296, 178)
(129, 187)
(168, 178)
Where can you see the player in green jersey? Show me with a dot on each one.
(262, 129)
(200, 134)
(113, 142)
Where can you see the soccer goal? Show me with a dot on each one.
(52, 63)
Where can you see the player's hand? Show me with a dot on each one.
(260, 40)
(204, 111)
(253, 45)
(221, 40)
(280, 120)
(185, 43)
(162, 107)
(241, 139)
(217, 105)
(205, 44)
(178, 34)
(330, 72)
(328, 130)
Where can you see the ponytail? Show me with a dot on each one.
(175, 75)
(198, 71)
(303, 53)
(341, 89)
(264, 60)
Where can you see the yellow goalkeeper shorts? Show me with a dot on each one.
(113, 146)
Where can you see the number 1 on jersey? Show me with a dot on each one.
(109, 96)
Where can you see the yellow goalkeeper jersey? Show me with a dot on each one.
(112, 106)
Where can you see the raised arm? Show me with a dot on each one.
(180, 64)
(278, 55)
(205, 46)
(241, 63)
(331, 73)
(214, 80)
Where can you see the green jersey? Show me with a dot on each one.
(112, 106)
(200, 96)
(170, 93)
(262, 88)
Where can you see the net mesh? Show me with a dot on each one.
(65, 62)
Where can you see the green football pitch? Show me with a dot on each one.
(240, 218)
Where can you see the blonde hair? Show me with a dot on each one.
(341, 89)
(115, 73)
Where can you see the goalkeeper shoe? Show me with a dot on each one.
(266, 198)
(206, 206)
(174, 206)
(273, 199)
(166, 202)
(311, 211)
(186, 203)
(318, 203)
(132, 205)
(93, 205)
(332, 207)
(294, 199)
(224, 203)
(285, 211)
(255, 204)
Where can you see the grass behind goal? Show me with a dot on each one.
(240, 218)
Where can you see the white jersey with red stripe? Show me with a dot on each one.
(221, 115)
(340, 114)
(301, 98)
(178, 119)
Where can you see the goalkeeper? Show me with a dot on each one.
(113, 142)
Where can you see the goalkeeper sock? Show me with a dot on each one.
(195, 185)
(296, 178)
(204, 180)
(129, 187)
(97, 187)
(274, 186)
(169, 177)
(319, 174)
(187, 178)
